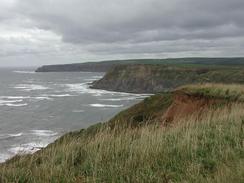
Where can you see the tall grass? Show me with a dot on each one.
(195, 150)
(231, 92)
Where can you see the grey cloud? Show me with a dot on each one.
(97, 29)
(86, 21)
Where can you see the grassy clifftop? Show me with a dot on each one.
(104, 66)
(158, 78)
(206, 149)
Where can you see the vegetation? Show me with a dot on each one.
(104, 66)
(221, 91)
(148, 110)
(208, 149)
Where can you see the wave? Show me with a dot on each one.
(84, 88)
(25, 72)
(4, 157)
(59, 95)
(42, 98)
(78, 111)
(14, 97)
(44, 133)
(12, 103)
(97, 77)
(121, 99)
(90, 79)
(28, 148)
(30, 87)
(10, 136)
(16, 135)
(16, 105)
(105, 105)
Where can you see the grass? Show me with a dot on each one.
(149, 109)
(231, 92)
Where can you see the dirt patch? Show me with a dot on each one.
(185, 105)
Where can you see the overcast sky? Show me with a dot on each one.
(37, 32)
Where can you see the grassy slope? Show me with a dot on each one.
(146, 111)
(210, 150)
(228, 92)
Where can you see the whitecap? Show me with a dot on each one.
(78, 111)
(28, 148)
(105, 105)
(9, 101)
(97, 77)
(30, 87)
(16, 135)
(16, 105)
(44, 133)
(42, 98)
(12, 103)
(4, 157)
(83, 88)
(25, 72)
(59, 95)
(91, 79)
(8, 136)
(14, 97)
(121, 99)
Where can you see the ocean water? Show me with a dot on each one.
(37, 108)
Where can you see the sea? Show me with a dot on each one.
(38, 108)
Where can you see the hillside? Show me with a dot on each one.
(104, 66)
(157, 78)
(142, 144)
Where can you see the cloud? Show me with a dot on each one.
(98, 29)
(80, 21)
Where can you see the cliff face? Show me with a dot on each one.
(158, 78)
(185, 105)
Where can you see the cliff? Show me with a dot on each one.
(157, 78)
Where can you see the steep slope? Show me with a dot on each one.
(158, 78)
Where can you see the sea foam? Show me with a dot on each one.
(30, 87)
(44, 133)
(28, 148)
(105, 105)
(25, 72)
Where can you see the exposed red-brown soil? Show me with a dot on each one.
(185, 105)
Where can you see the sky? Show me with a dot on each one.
(40, 32)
